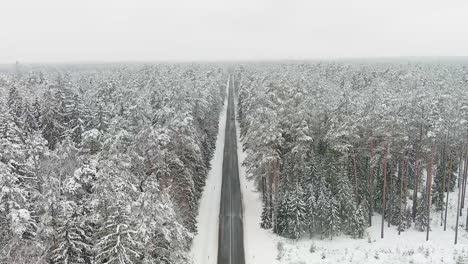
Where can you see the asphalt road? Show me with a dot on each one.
(231, 233)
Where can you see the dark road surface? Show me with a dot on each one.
(231, 233)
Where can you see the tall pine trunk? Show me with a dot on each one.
(429, 190)
(384, 190)
(406, 186)
(448, 188)
(441, 195)
(416, 176)
(459, 194)
(391, 194)
(274, 191)
(356, 179)
(402, 166)
(371, 183)
(465, 168)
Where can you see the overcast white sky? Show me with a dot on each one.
(140, 30)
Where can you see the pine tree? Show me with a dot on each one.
(421, 217)
(297, 213)
(52, 125)
(344, 195)
(74, 244)
(358, 221)
(15, 104)
(322, 208)
(440, 181)
(37, 113)
(310, 198)
(118, 241)
(14, 213)
(266, 222)
(29, 120)
(75, 122)
(12, 140)
(283, 214)
(291, 212)
(61, 104)
(101, 118)
(333, 220)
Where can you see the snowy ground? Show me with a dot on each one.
(205, 244)
(409, 247)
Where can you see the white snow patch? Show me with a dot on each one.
(409, 247)
(205, 244)
(260, 245)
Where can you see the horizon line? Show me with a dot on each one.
(269, 60)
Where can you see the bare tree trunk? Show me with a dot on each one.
(429, 189)
(267, 202)
(464, 161)
(391, 193)
(464, 186)
(264, 188)
(401, 197)
(384, 190)
(415, 187)
(271, 203)
(458, 216)
(371, 184)
(416, 176)
(274, 189)
(458, 201)
(441, 200)
(466, 227)
(459, 167)
(406, 186)
(465, 168)
(448, 188)
(356, 180)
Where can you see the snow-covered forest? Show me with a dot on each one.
(105, 163)
(330, 143)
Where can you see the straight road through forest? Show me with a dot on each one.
(231, 233)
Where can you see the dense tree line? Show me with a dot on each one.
(105, 164)
(330, 143)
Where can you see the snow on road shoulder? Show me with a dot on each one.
(205, 244)
(259, 244)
